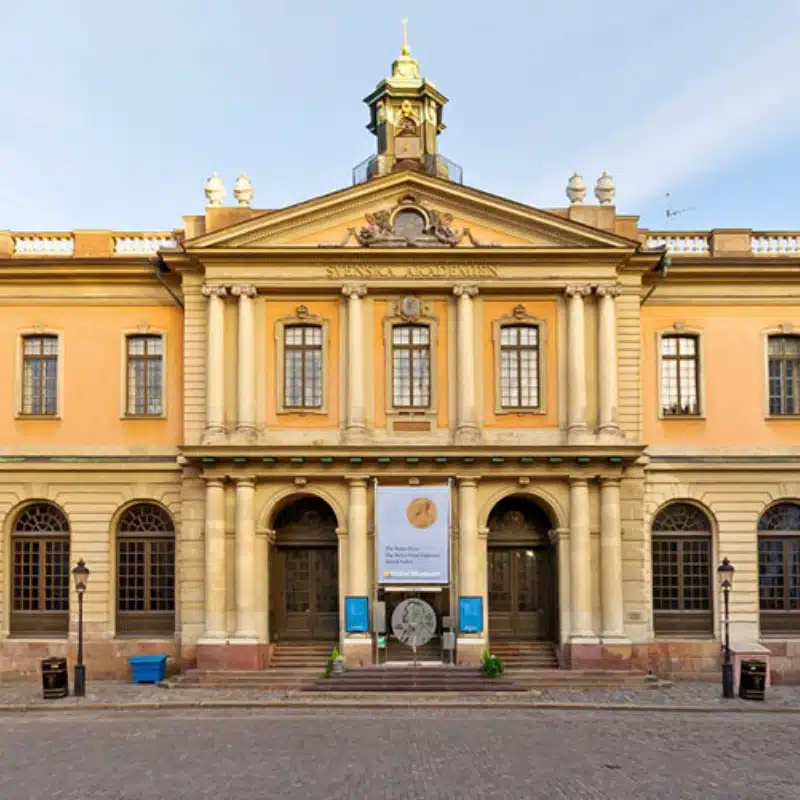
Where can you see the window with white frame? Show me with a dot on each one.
(783, 356)
(411, 366)
(302, 366)
(145, 375)
(680, 375)
(40, 375)
(519, 366)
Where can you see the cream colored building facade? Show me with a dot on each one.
(203, 414)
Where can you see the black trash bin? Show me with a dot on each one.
(54, 678)
(753, 680)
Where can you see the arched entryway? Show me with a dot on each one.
(304, 602)
(522, 572)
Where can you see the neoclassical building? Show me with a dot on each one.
(211, 416)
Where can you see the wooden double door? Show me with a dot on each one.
(521, 593)
(305, 596)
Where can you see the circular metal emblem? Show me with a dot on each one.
(414, 622)
(410, 307)
(421, 512)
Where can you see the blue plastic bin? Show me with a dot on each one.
(148, 669)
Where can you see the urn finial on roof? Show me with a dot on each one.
(576, 189)
(605, 191)
(243, 190)
(215, 190)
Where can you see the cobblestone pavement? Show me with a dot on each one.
(474, 753)
(679, 694)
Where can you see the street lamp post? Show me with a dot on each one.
(80, 574)
(725, 574)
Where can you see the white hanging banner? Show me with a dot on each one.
(412, 534)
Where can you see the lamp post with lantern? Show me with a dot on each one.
(725, 574)
(80, 574)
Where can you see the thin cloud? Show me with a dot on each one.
(753, 95)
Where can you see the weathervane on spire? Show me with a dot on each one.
(405, 50)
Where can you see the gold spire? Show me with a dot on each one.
(405, 50)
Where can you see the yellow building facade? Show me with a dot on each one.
(203, 415)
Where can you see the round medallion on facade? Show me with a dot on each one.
(414, 622)
(421, 512)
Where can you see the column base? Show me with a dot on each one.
(214, 434)
(467, 434)
(357, 651)
(234, 654)
(355, 434)
(469, 651)
(246, 434)
(614, 639)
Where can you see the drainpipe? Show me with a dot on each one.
(661, 268)
(159, 268)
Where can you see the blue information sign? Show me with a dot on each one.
(470, 614)
(356, 615)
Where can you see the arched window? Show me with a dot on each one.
(40, 582)
(779, 570)
(145, 572)
(682, 572)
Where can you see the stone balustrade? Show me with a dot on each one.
(86, 244)
(741, 243)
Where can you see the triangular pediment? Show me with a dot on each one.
(447, 215)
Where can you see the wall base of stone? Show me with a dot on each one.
(469, 652)
(105, 659)
(574, 655)
(232, 655)
(357, 652)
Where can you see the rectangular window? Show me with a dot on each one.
(302, 373)
(145, 376)
(680, 376)
(411, 366)
(40, 375)
(784, 375)
(519, 366)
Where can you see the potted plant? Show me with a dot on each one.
(337, 662)
(491, 666)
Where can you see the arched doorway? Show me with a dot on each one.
(305, 576)
(522, 572)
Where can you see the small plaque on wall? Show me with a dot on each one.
(470, 614)
(356, 615)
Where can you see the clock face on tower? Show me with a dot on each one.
(421, 512)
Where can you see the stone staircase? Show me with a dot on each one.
(534, 665)
(294, 666)
(436, 679)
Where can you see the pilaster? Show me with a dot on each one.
(576, 360)
(356, 427)
(467, 431)
(607, 358)
(215, 363)
(246, 364)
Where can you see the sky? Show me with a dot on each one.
(115, 113)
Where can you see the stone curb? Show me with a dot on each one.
(211, 705)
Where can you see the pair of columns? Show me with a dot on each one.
(215, 361)
(580, 559)
(245, 561)
(466, 425)
(607, 358)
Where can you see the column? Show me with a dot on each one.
(215, 361)
(245, 558)
(358, 550)
(576, 359)
(580, 561)
(466, 427)
(469, 578)
(356, 411)
(246, 362)
(613, 621)
(607, 358)
(215, 560)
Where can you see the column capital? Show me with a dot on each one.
(465, 290)
(355, 482)
(467, 480)
(247, 290)
(210, 290)
(578, 290)
(611, 290)
(245, 481)
(354, 290)
(609, 481)
(573, 481)
(214, 483)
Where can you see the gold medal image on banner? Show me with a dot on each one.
(421, 512)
